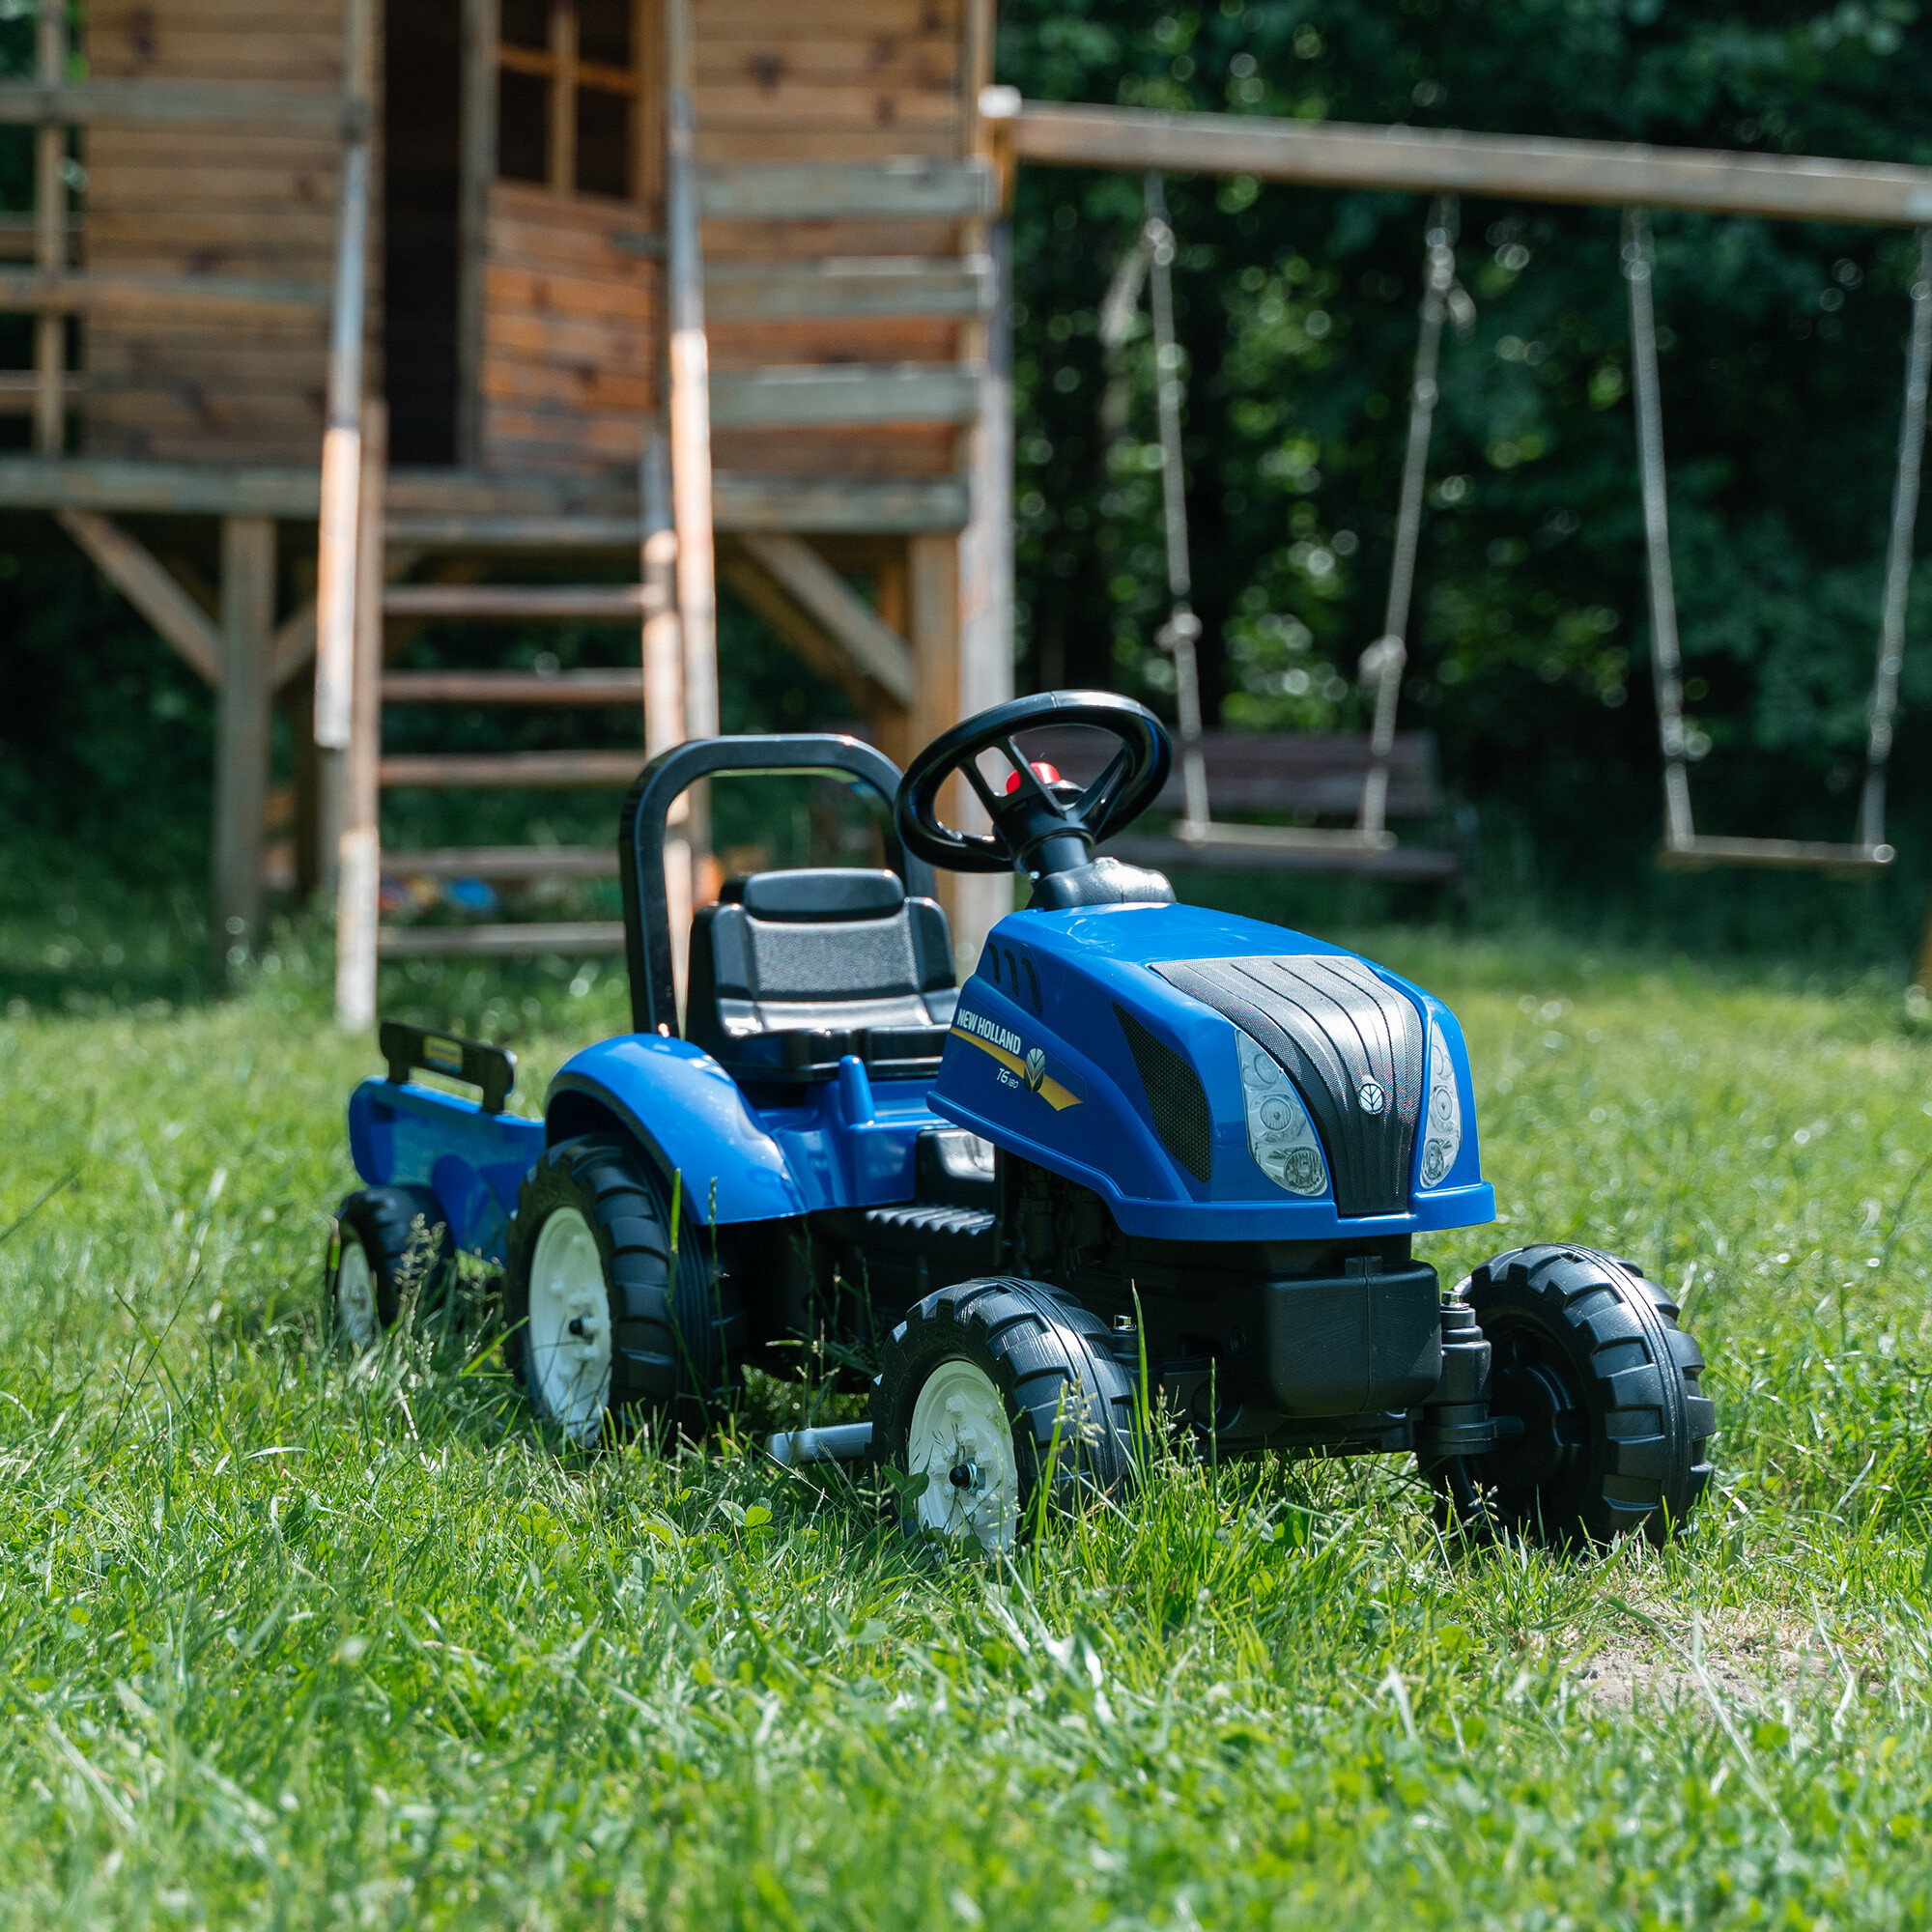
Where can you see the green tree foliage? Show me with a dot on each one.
(1782, 352)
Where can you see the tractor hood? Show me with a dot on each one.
(1213, 1077)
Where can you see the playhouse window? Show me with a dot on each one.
(569, 86)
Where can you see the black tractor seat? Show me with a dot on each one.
(792, 971)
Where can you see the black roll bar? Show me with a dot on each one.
(640, 839)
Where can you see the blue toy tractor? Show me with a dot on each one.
(1148, 1154)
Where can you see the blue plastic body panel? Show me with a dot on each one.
(1086, 1114)
(405, 1135)
(845, 1143)
(775, 1152)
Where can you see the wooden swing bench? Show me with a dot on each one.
(1300, 777)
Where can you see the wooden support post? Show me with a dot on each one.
(476, 170)
(663, 683)
(985, 663)
(341, 456)
(359, 862)
(690, 360)
(690, 385)
(242, 731)
(341, 446)
(50, 240)
(932, 596)
(664, 667)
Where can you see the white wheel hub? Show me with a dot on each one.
(569, 1335)
(961, 1441)
(356, 1294)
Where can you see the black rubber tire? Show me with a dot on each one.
(1050, 1360)
(1589, 1356)
(381, 1220)
(677, 1352)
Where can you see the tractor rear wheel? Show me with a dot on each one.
(988, 1389)
(372, 1263)
(605, 1316)
(1613, 1427)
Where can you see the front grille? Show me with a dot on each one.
(1340, 1033)
(1176, 1098)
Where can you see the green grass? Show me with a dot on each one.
(289, 1640)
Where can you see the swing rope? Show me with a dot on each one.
(1681, 839)
(1898, 557)
(1182, 630)
(1665, 659)
(1383, 662)
(1150, 262)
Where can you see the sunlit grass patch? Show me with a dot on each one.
(292, 1638)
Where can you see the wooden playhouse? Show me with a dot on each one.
(518, 259)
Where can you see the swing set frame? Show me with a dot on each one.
(1784, 188)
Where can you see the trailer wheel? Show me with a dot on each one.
(371, 1263)
(603, 1320)
(989, 1388)
(1615, 1427)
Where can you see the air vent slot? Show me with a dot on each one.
(1176, 1098)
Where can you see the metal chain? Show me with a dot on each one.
(1665, 659)
(1898, 557)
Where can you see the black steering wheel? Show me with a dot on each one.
(1041, 825)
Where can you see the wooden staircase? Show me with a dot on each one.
(573, 690)
(826, 391)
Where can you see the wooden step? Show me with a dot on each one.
(509, 863)
(499, 941)
(822, 395)
(510, 771)
(457, 528)
(516, 603)
(513, 687)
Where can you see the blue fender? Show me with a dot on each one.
(691, 1117)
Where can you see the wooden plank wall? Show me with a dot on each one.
(832, 80)
(185, 201)
(827, 80)
(572, 294)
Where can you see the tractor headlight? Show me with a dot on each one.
(1442, 1124)
(1281, 1136)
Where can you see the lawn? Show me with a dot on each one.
(293, 1640)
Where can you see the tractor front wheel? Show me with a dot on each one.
(1608, 1428)
(988, 1389)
